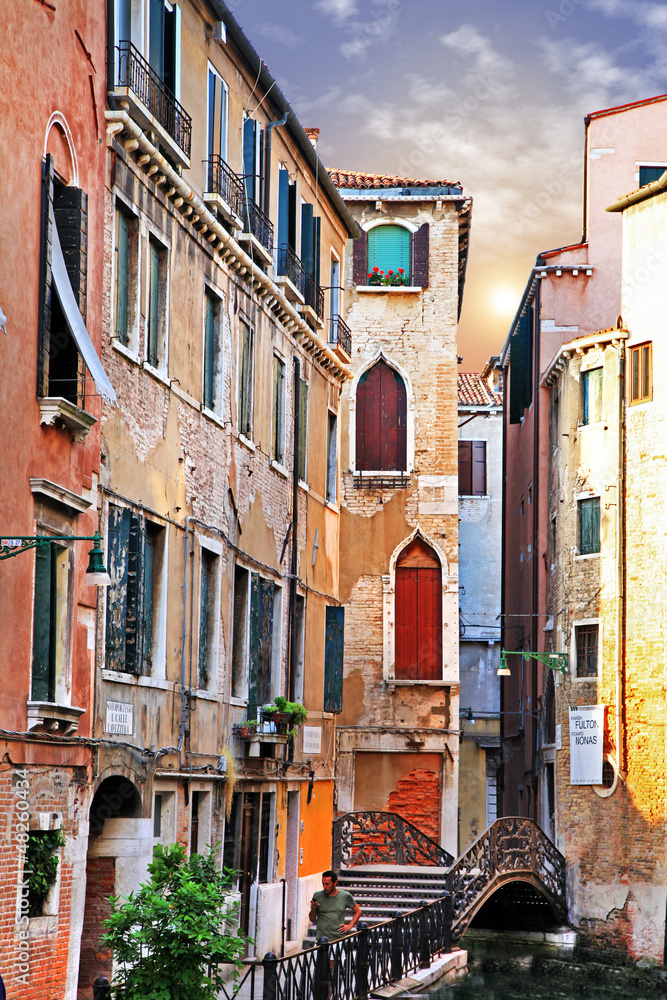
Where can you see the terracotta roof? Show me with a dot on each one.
(357, 179)
(627, 107)
(473, 391)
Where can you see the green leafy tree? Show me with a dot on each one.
(168, 937)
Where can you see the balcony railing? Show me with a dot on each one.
(223, 181)
(314, 296)
(257, 224)
(138, 76)
(339, 333)
(289, 266)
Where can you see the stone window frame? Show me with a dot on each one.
(381, 354)
(213, 547)
(579, 623)
(449, 614)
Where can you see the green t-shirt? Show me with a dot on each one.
(331, 912)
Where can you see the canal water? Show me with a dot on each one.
(554, 979)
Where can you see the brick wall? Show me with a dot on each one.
(94, 960)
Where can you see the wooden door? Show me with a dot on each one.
(418, 614)
(381, 416)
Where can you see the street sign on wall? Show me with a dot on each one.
(119, 718)
(586, 737)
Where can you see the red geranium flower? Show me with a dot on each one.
(390, 272)
(401, 271)
(375, 270)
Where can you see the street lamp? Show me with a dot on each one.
(96, 575)
(554, 661)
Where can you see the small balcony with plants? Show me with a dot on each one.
(274, 724)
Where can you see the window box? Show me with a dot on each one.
(61, 719)
(56, 411)
(390, 289)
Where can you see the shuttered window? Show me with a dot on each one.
(472, 468)
(333, 659)
(303, 429)
(641, 384)
(649, 174)
(332, 459)
(207, 616)
(381, 420)
(121, 325)
(520, 368)
(278, 409)
(153, 337)
(245, 379)
(261, 632)
(212, 353)
(253, 156)
(217, 115)
(43, 639)
(418, 614)
(591, 396)
(589, 526)
(389, 249)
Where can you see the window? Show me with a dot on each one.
(303, 429)
(125, 277)
(156, 321)
(472, 468)
(589, 526)
(381, 420)
(333, 659)
(50, 631)
(521, 364)
(200, 822)
(164, 818)
(245, 393)
(591, 396)
(554, 405)
(332, 459)
(252, 639)
(208, 617)
(278, 411)
(586, 645)
(641, 374)
(212, 390)
(134, 631)
(218, 101)
(263, 872)
(300, 642)
(418, 614)
(648, 174)
(253, 160)
(311, 227)
(162, 42)
(389, 250)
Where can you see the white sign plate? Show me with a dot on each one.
(119, 718)
(312, 739)
(586, 736)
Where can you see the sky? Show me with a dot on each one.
(491, 94)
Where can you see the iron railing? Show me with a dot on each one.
(352, 967)
(314, 296)
(289, 266)
(340, 333)
(222, 180)
(258, 224)
(138, 76)
(372, 838)
(512, 847)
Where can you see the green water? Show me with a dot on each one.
(551, 979)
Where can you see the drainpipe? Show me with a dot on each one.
(291, 680)
(536, 534)
(267, 161)
(503, 561)
(620, 561)
(184, 633)
(111, 57)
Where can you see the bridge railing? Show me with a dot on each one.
(511, 844)
(383, 838)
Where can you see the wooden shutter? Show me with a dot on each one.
(254, 646)
(153, 304)
(478, 468)
(303, 428)
(245, 382)
(465, 468)
(283, 207)
(249, 154)
(71, 213)
(420, 252)
(317, 241)
(134, 618)
(381, 420)
(205, 595)
(307, 237)
(122, 276)
(209, 352)
(118, 535)
(292, 214)
(333, 659)
(360, 260)
(43, 659)
(46, 280)
(418, 614)
(278, 384)
(266, 589)
(147, 591)
(589, 526)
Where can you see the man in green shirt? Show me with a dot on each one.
(328, 908)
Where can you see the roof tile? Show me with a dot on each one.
(358, 179)
(473, 391)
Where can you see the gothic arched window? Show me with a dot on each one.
(418, 614)
(381, 418)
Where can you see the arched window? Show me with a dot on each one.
(389, 249)
(381, 419)
(418, 614)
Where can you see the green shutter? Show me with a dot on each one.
(43, 640)
(122, 277)
(589, 526)
(148, 581)
(389, 249)
(209, 352)
(333, 659)
(153, 304)
(245, 382)
(283, 207)
(520, 375)
(134, 619)
(278, 408)
(303, 428)
(307, 238)
(118, 539)
(70, 208)
(253, 665)
(206, 595)
(266, 589)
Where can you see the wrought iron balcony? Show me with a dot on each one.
(290, 267)
(222, 180)
(134, 73)
(314, 296)
(257, 224)
(339, 333)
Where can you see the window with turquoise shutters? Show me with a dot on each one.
(389, 249)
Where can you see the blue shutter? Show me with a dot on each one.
(307, 238)
(333, 660)
(389, 249)
(283, 207)
(249, 129)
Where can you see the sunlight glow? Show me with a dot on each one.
(504, 300)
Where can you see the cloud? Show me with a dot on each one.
(339, 10)
(593, 75)
(468, 41)
(279, 33)
(649, 15)
(377, 29)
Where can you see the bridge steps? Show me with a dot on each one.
(381, 890)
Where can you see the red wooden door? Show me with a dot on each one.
(381, 420)
(418, 614)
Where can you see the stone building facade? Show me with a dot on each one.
(398, 731)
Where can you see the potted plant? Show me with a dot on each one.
(246, 730)
(284, 715)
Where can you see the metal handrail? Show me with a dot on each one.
(314, 296)
(340, 333)
(289, 266)
(223, 181)
(368, 838)
(135, 73)
(258, 224)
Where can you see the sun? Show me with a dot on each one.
(504, 300)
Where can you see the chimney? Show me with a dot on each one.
(312, 134)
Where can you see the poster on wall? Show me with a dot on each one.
(586, 737)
